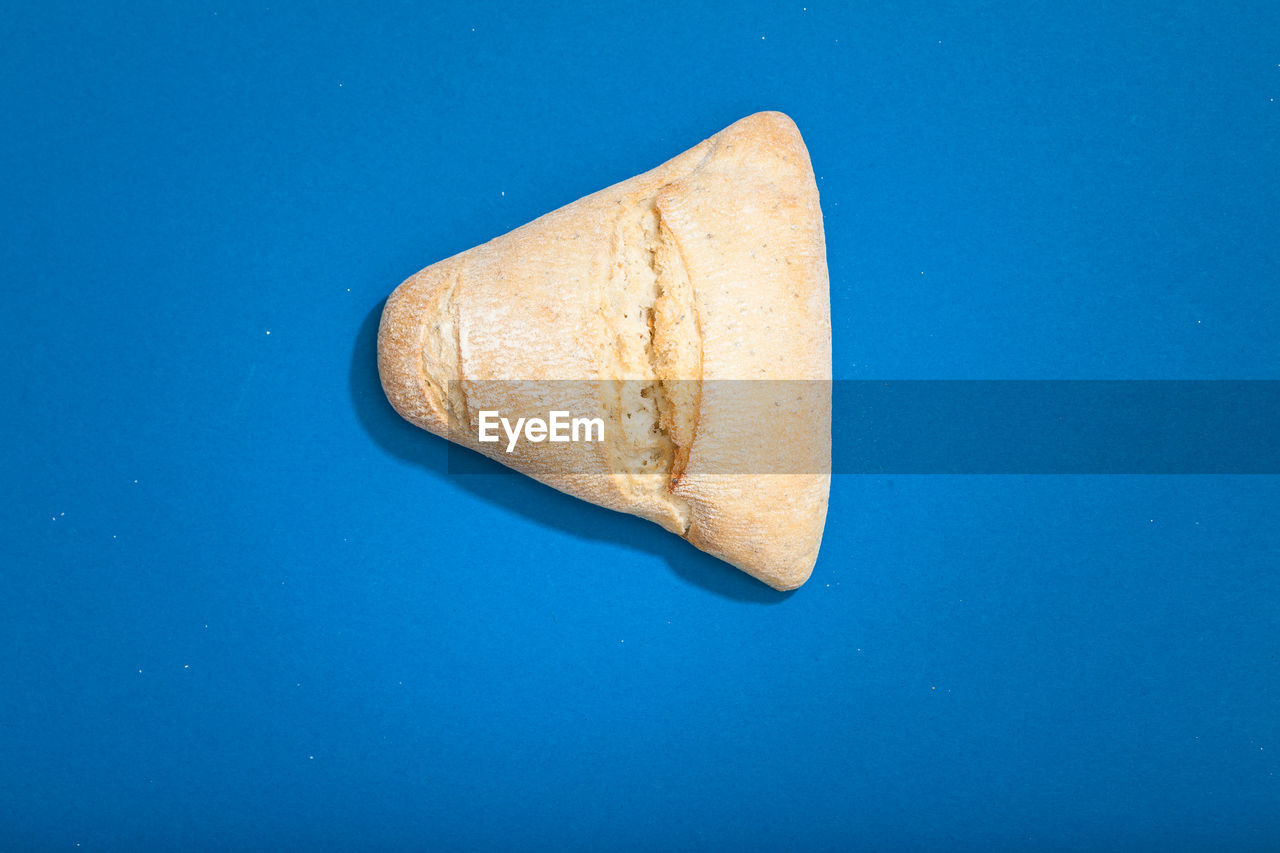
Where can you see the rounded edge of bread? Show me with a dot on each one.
(402, 332)
(757, 186)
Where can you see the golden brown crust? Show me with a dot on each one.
(730, 230)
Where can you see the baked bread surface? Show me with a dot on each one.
(689, 308)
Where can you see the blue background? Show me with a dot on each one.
(243, 603)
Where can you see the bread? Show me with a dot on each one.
(687, 308)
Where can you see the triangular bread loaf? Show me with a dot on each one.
(688, 309)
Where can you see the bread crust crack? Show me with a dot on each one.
(650, 357)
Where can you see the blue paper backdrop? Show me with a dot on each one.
(243, 604)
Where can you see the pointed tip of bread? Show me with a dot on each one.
(768, 132)
(772, 121)
(789, 579)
